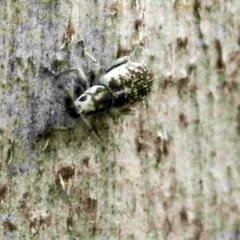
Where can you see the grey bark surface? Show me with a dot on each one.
(169, 170)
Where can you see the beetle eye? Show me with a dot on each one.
(83, 98)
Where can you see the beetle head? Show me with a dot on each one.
(93, 100)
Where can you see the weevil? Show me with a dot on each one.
(123, 84)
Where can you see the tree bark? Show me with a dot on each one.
(169, 170)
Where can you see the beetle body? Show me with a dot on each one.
(124, 83)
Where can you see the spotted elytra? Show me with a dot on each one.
(125, 83)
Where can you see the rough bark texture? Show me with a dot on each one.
(170, 170)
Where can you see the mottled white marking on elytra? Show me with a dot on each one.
(123, 71)
(123, 84)
(131, 68)
(93, 89)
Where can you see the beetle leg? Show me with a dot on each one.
(78, 71)
(91, 128)
(71, 84)
(95, 70)
(86, 53)
(79, 80)
(86, 122)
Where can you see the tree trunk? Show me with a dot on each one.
(169, 170)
